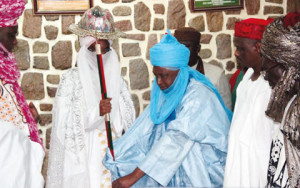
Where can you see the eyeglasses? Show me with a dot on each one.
(264, 72)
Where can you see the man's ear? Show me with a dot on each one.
(199, 48)
(257, 47)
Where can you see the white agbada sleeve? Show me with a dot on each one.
(67, 144)
(127, 111)
(21, 159)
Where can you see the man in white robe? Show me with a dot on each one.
(21, 149)
(180, 140)
(78, 139)
(251, 131)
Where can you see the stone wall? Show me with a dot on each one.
(46, 49)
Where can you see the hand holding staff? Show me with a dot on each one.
(105, 106)
(104, 96)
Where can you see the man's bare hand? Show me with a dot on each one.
(123, 182)
(105, 106)
(129, 180)
(34, 112)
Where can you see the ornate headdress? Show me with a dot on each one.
(10, 11)
(98, 23)
(282, 45)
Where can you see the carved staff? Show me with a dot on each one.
(104, 96)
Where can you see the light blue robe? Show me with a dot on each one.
(189, 149)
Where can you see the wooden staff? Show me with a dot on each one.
(104, 96)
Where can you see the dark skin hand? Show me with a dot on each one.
(34, 112)
(105, 106)
(129, 180)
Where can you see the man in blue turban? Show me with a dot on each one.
(181, 139)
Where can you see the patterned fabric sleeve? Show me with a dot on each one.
(127, 110)
(67, 136)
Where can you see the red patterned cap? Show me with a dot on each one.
(251, 28)
(10, 11)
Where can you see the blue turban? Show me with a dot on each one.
(169, 53)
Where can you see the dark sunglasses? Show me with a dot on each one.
(105, 50)
(264, 72)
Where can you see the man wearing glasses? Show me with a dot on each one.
(251, 131)
(280, 49)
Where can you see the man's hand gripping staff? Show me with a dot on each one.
(104, 96)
